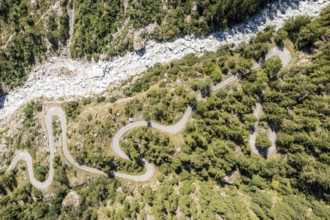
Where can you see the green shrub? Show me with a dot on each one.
(72, 109)
(263, 142)
(280, 36)
(113, 99)
(100, 99)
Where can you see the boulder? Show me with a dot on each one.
(34, 4)
(138, 41)
(194, 7)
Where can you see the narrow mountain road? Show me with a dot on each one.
(115, 144)
(272, 139)
(271, 136)
(8, 41)
(57, 111)
(286, 57)
(253, 136)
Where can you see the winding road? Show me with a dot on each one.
(271, 136)
(284, 55)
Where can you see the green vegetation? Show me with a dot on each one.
(29, 113)
(72, 109)
(95, 22)
(208, 170)
(40, 171)
(101, 28)
(202, 17)
(23, 26)
(263, 142)
(107, 23)
(27, 202)
(56, 126)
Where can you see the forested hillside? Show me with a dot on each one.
(110, 27)
(33, 30)
(207, 171)
(29, 30)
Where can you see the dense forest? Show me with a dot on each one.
(106, 27)
(31, 31)
(209, 170)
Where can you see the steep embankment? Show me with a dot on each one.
(83, 78)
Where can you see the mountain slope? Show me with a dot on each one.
(209, 169)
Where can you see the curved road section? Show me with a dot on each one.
(115, 144)
(286, 57)
(283, 53)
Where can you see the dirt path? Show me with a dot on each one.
(8, 41)
(66, 49)
(56, 5)
(41, 17)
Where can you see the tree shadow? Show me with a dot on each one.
(280, 46)
(262, 152)
(141, 52)
(272, 126)
(2, 100)
(111, 174)
(140, 162)
(193, 105)
(252, 130)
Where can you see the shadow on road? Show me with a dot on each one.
(110, 174)
(262, 152)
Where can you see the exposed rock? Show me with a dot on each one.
(138, 38)
(230, 179)
(95, 72)
(138, 42)
(72, 198)
(3, 88)
(194, 6)
(34, 3)
(188, 19)
(224, 194)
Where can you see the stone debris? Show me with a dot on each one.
(72, 198)
(138, 42)
(94, 78)
(34, 3)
